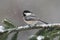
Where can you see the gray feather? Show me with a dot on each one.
(30, 18)
(33, 18)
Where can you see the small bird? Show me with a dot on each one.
(31, 18)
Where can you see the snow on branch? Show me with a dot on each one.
(23, 28)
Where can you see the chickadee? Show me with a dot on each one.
(31, 18)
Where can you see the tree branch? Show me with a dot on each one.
(23, 28)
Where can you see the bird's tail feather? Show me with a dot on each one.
(43, 21)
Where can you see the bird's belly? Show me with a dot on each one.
(31, 22)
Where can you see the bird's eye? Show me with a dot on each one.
(24, 14)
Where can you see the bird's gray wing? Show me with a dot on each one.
(30, 18)
(33, 18)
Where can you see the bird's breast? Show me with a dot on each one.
(30, 22)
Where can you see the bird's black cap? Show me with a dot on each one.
(26, 11)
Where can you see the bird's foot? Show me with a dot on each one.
(29, 25)
(35, 25)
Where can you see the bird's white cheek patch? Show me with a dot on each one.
(27, 14)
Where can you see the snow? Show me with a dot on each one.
(2, 29)
(40, 37)
(56, 24)
(32, 36)
(20, 27)
(46, 25)
(26, 26)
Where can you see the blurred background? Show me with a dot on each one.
(46, 10)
